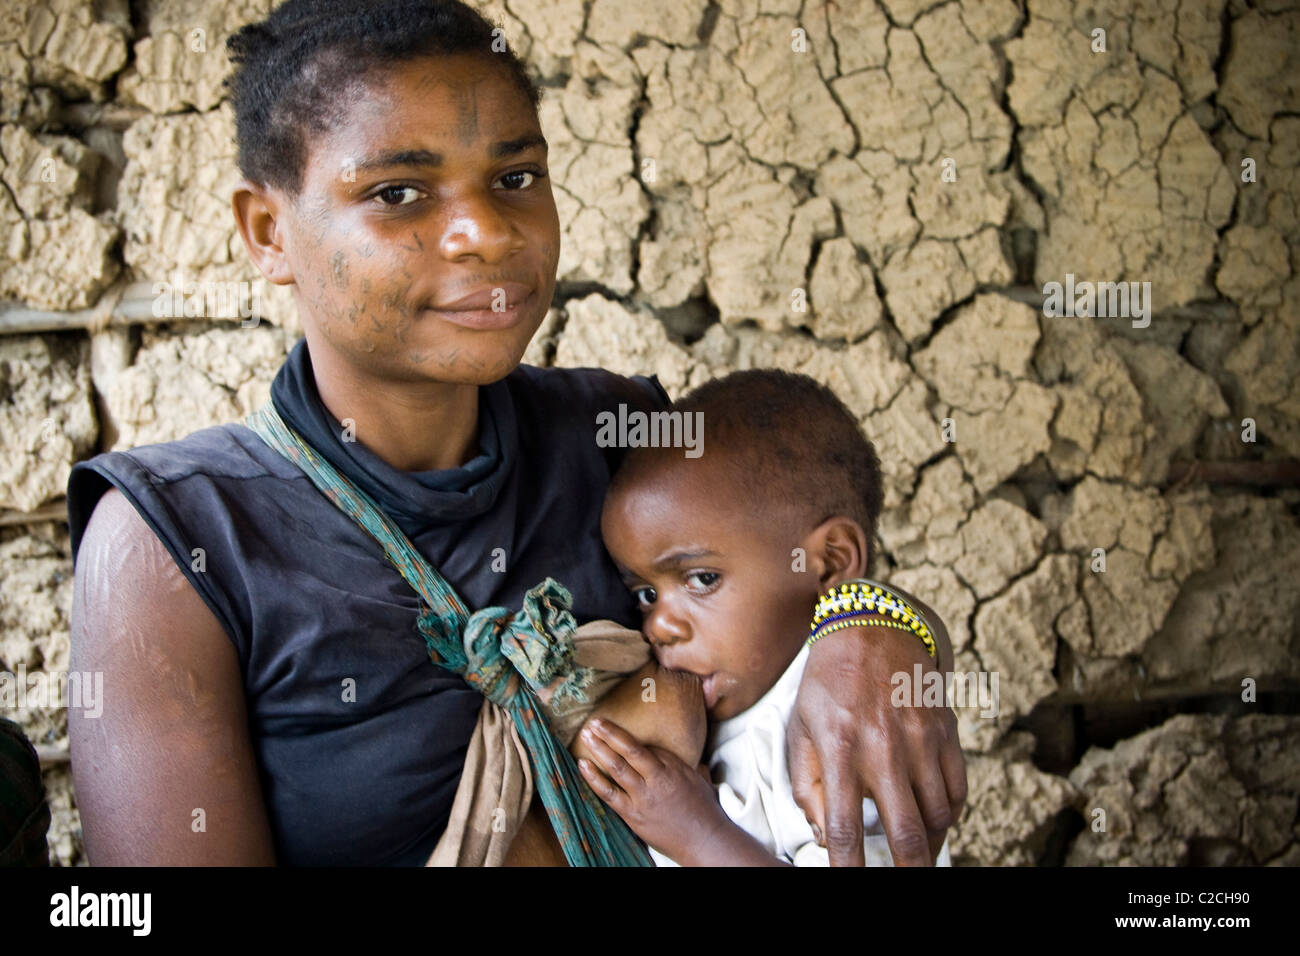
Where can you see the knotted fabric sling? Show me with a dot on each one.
(522, 663)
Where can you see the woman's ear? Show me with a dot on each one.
(257, 216)
(837, 551)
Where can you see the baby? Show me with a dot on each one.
(727, 555)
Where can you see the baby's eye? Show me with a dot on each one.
(645, 596)
(390, 190)
(704, 580)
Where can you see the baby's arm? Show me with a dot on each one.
(669, 805)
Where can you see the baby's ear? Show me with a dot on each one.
(837, 551)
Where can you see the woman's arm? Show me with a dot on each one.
(166, 774)
(847, 741)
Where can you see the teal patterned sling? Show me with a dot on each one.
(516, 661)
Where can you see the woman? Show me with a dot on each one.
(266, 697)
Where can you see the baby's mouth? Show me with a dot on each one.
(707, 680)
(711, 686)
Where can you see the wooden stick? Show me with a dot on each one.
(56, 511)
(1195, 311)
(1258, 473)
(121, 304)
(52, 756)
(107, 115)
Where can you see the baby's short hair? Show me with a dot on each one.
(795, 449)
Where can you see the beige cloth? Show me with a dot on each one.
(496, 786)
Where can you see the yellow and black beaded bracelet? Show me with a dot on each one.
(838, 607)
(855, 622)
(866, 597)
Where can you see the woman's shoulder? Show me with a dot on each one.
(160, 478)
(232, 450)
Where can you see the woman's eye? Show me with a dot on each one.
(704, 579)
(645, 596)
(523, 172)
(389, 191)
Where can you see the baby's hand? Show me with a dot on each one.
(667, 803)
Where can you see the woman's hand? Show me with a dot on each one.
(668, 804)
(846, 741)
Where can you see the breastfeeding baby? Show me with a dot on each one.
(728, 554)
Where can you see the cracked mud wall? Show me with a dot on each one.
(875, 193)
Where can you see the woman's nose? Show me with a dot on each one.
(479, 227)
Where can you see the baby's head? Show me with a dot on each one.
(728, 552)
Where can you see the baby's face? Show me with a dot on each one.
(715, 583)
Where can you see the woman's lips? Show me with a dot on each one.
(485, 295)
(487, 319)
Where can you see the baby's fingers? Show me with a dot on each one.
(624, 745)
(613, 763)
(603, 787)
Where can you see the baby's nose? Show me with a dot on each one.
(665, 629)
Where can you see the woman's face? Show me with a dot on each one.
(435, 188)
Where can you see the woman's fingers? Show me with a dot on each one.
(954, 773)
(805, 779)
(931, 791)
(842, 804)
(909, 840)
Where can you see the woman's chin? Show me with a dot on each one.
(484, 367)
(477, 361)
(475, 357)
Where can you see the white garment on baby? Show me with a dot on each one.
(747, 760)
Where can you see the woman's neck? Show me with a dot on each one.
(413, 426)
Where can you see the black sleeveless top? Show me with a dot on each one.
(359, 737)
